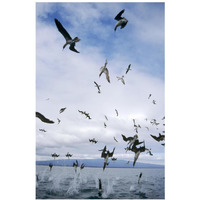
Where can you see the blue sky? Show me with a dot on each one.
(67, 78)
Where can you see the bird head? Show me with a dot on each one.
(76, 39)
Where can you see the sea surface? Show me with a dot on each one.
(117, 183)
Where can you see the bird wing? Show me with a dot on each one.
(116, 112)
(62, 30)
(123, 81)
(103, 155)
(107, 74)
(43, 118)
(128, 68)
(118, 16)
(136, 157)
(111, 154)
(154, 137)
(126, 138)
(71, 47)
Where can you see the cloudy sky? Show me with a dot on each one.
(66, 79)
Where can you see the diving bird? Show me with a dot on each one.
(130, 140)
(100, 188)
(43, 118)
(137, 152)
(62, 110)
(68, 155)
(139, 177)
(159, 138)
(128, 69)
(54, 155)
(93, 140)
(116, 112)
(50, 166)
(98, 87)
(104, 70)
(75, 165)
(121, 79)
(106, 154)
(67, 37)
(122, 21)
(82, 166)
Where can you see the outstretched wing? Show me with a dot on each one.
(126, 138)
(118, 17)
(62, 30)
(43, 118)
(154, 137)
(111, 154)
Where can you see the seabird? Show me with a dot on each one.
(68, 155)
(67, 37)
(116, 112)
(106, 154)
(104, 69)
(82, 166)
(131, 140)
(139, 177)
(43, 130)
(154, 101)
(43, 118)
(137, 152)
(106, 117)
(100, 187)
(159, 138)
(84, 113)
(121, 79)
(75, 165)
(113, 159)
(50, 166)
(128, 69)
(122, 21)
(98, 87)
(105, 125)
(93, 140)
(58, 121)
(62, 110)
(54, 155)
(149, 151)
(115, 139)
(149, 96)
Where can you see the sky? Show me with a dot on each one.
(66, 79)
(18, 80)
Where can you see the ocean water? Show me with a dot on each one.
(117, 183)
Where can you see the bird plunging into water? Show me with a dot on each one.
(122, 21)
(67, 37)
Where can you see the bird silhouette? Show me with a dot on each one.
(122, 21)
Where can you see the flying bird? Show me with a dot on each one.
(42, 130)
(122, 21)
(121, 79)
(93, 140)
(128, 69)
(105, 125)
(98, 87)
(106, 154)
(113, 159)
(62, 110)
(54, 155)
(84, 113)
(68, 155)
(58, 121)
(154, 102)
(82, 166)
(67, 37)
(115, 139)
(116, 112)
(43, 118)
(75, 165)
(149, 96)
(104, 69)
(159, 138)
(106, 117)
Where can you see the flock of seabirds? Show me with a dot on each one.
(133, 143)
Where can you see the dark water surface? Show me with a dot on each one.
(117, 183)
